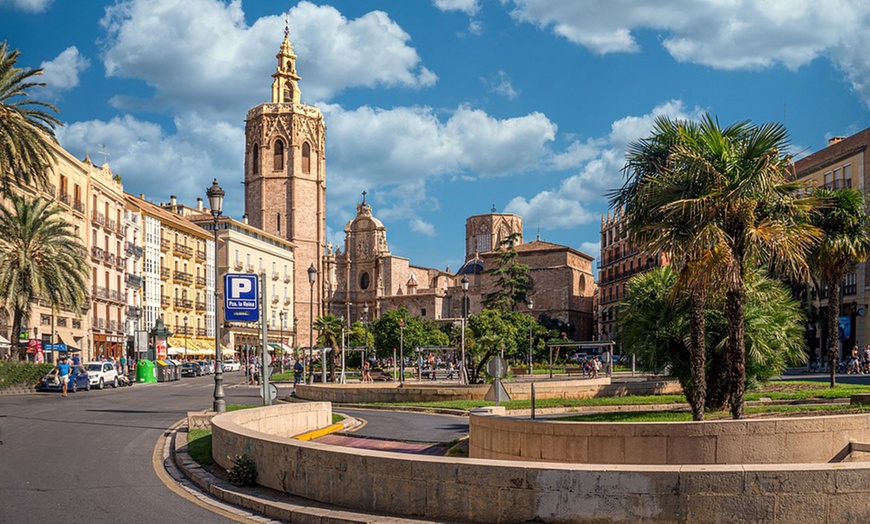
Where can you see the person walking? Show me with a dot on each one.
(63, 371)
(298, 370)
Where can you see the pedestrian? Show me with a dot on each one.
(63, 371)
(367, 375)
(596, 367)
(298, 370)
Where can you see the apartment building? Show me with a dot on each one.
(842, 164)
(133, 278)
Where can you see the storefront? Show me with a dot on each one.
(108, 346)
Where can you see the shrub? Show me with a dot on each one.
(14, 373)
(244, 473)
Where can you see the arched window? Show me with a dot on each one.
(255, 161)
(278, 161)
(306, 158)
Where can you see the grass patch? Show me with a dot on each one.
(199, 446)
(685, 416)
(336, 418)
(236, 407)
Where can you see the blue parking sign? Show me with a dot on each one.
(241, 297)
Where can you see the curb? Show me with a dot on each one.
(264, 501)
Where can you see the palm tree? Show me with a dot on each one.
(846, 227)
(329, 327)
(40, 258)
(25, 127)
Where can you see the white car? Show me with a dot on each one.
(102, 373)
(232, 365)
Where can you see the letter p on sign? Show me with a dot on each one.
(240, 287)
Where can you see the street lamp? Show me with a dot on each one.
(366, 344)
(312, 277)
(215, 201)
(531, 320)
(402, 349)
(281, 340)
(185, 337)
(295, 338)
(463, 378)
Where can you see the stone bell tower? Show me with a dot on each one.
(285, 179)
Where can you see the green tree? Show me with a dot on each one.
(491, 332)
(511, 278)
(731, 190)
(40, 258)
(329, 327)
(26, 128)
(845, 242)
(655, 327)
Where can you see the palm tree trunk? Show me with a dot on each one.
(734, 303)
(833, 324)
(15, 347)
(697, 355)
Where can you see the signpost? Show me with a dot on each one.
(242, 301)
(497, 368)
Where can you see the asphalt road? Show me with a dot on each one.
(88, 457)
(408, 427)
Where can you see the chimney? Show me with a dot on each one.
(172, 200)
(142, 196)
(245, 218)
(199, 204)
(835, 140)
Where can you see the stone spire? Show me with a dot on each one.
(285, 88)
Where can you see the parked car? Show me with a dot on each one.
(78, 380)
(207, 367)
(232, 365)
(102, 373)
(190, 369)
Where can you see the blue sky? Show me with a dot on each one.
(440, 109)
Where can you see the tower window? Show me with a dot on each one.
(364, 281)
(255, 161)
(278, 161)
(279, 222)
(306, 158)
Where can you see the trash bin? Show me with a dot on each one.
(164, 372)
(176, 369)
(145, 371)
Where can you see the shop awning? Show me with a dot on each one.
(4, 342)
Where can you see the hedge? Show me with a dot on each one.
(14, 373)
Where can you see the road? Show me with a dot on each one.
(408, 427)
(88, 457)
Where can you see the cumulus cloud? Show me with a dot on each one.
(743, 34)
(62, 73)
(502, 85)
(32, 6)
(158, 164)
(221, 64)
(569, 204)
(469, 7)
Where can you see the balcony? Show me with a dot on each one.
(66, 198)
(133, 250)
(275, 299)
(114, 325)
(250, 268)
(184, 330)
(286, 279)
(98, 218)
(133, 281)
(97, 252)
(200, 255)
(165, 244)
(164, 301)
(51, 189)
(183, 277)
(200, 332)
(183, 250)
(287, 301)
(134, 312)
(101, 293)
(164, 273)
(200, 281)
(76, 324)
(79, 206)
(109, 258)
(111, 225)
(183, 303)
(120, 262)
(99, 323)
(275, 275)
(200, 305)
(238, 266)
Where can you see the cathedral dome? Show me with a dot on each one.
(472, 267)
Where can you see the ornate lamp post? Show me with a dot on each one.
(185, 337)
(365, 322)
(216, 201)
(531, 320)
(401, 350)
(463, 377)
(312, 278)
(281, 340)
(295, 338)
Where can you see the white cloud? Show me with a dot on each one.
(469, 7)
(221, 64)
(602, 160)
(502, 85)
(62, 73)
(33, 6)
(422, 227)
(735, 34)
(593, 249)
(157, 164)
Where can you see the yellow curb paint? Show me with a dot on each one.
(311, 435)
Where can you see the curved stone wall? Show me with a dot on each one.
(477, 490)
(746, 441)
(423, 392)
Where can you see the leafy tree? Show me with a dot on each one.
(492, 331)
(329, 327)
(25, 127)
(655, 327)
(845, 227)
(732, 189)
(40, 257)
(511, 278)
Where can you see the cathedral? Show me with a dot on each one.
(285, 195)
